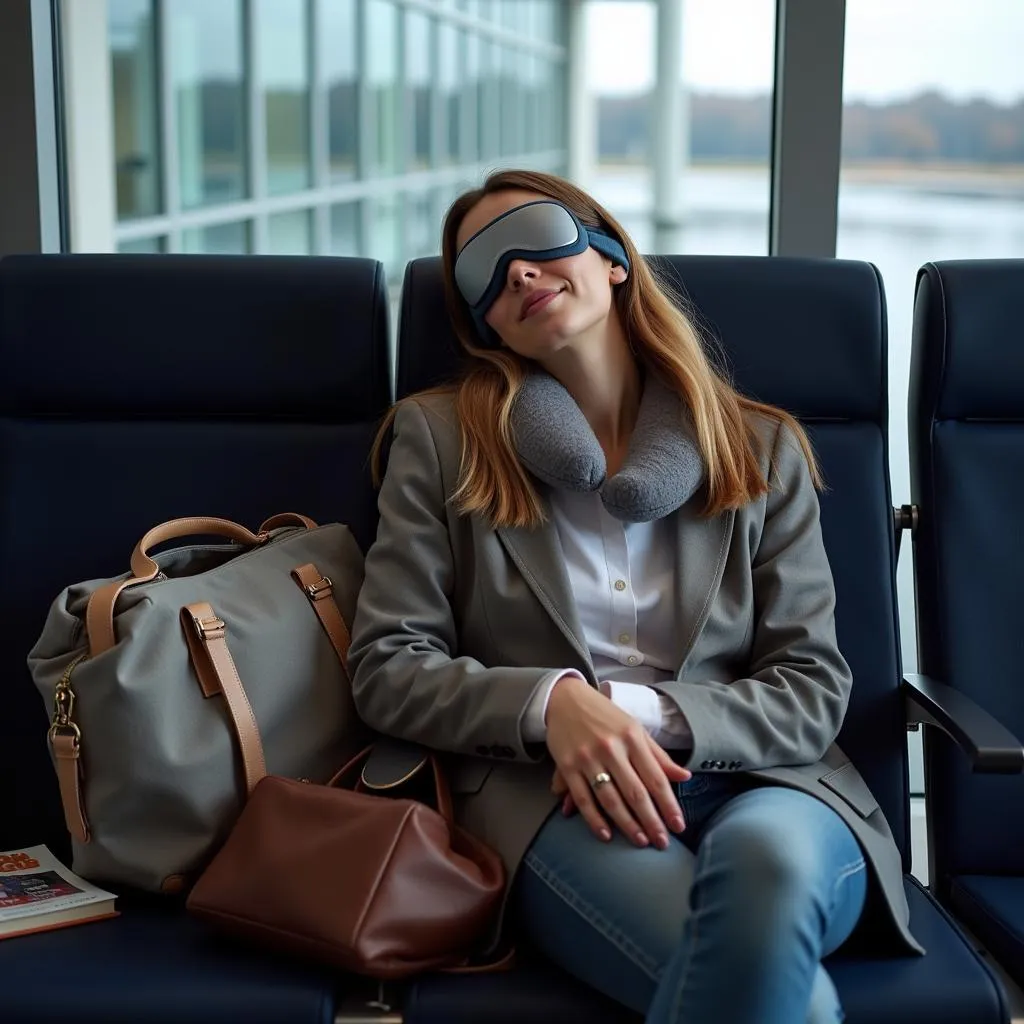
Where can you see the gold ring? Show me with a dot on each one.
(601, 779)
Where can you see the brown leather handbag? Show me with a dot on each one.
(379, 885)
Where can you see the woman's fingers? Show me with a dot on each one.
(580, 792)
(675, 771)
(625, 798)
(588, 736)
(560, 788)
(632, 791)
(654, 777)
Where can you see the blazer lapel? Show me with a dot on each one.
(702, 546)
(538, 556)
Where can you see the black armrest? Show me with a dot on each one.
(989, 744)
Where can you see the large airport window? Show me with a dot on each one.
(718, 200)
(451, 72)
(284, 82)
(345, 233)
(143, 245)
(470, 85)
(208, 71)
(223, 239)
(419, 80)
(382, 87)
(385, 233)
(422, 224)
(337, 39)
(134, 83)
(356, 110)
(290, 233)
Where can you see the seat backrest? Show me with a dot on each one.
(810, 336)
(137, 389)
(967, 480)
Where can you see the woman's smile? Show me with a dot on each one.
(538, 300)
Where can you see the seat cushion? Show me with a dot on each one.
(993, 909)
(950, 985)
(155, 964)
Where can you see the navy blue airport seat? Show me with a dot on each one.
(136, 389)
(810, 336)
(967, 483)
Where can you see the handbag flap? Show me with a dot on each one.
(392, 762)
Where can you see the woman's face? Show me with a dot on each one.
(545, 304)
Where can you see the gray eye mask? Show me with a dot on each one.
(663, 467)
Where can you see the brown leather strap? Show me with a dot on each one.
(144, 567)
(99, 613)
(205, 635)
(65, 747)
(287, 519)
(320, 591)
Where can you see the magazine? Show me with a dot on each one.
(38, 893)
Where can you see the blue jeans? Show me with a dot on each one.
(728, 925)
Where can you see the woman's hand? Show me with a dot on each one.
(589, 735)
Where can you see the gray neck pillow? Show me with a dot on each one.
(663, 466)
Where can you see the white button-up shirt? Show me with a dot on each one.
(623, 582)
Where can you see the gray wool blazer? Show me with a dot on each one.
(457, 624)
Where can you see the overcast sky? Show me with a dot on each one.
(894, 48)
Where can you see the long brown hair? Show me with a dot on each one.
(492, 481)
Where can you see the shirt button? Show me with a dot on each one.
(623, 638)
(620, 584)
(632, 659)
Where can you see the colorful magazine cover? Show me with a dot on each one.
(38, 892)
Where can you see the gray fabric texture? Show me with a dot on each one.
(162, 774)
(663, 467)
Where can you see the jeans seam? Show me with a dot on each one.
(586, 910)
(692, 923)
(846, 872)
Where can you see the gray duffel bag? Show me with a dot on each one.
(144, 674)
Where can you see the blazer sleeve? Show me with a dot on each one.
(789, 709)
(408, 678)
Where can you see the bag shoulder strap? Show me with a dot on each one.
(320, 591)
(208, 648)
(205, 634)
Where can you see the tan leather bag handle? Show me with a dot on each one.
(143, 567)
(99, 614)
(287, 519)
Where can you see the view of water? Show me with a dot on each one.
(896, 221)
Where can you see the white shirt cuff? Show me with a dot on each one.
(658, 714)
(534, 725)
(639, 701)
